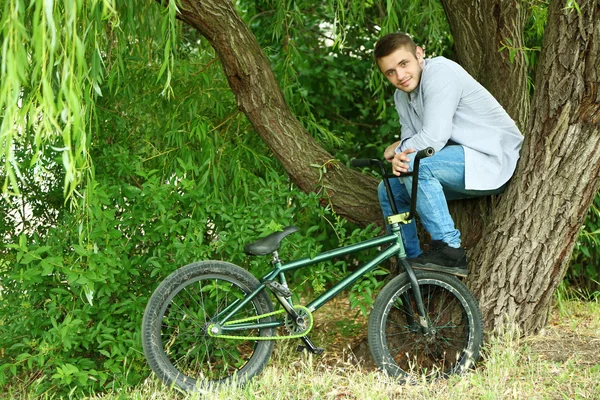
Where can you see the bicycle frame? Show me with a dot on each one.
(396, 249)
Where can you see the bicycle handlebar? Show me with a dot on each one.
(427, 152)
(358, 162)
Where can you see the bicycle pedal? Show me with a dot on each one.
(278, 288)
(316, 350)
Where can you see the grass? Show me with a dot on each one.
(562, 362)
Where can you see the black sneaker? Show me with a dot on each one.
(442, 257)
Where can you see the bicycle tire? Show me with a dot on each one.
(398, 345)
(174, 338)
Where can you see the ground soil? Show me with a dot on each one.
(572, 335)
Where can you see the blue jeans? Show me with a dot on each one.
(441, 178)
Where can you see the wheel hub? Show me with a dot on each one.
(211, 329)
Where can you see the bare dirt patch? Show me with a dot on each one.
(572, 335)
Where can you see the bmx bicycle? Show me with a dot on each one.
(212, 322)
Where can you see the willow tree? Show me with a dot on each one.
(530, 232)
(55, 58)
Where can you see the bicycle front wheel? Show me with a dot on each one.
(399, 345)
(174, 329)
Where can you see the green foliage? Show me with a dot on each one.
(322, 54)
(57, 56)
(45, 72)
(583, 274)
(363, 293)
(72, 309)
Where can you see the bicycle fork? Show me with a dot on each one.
(423, 319)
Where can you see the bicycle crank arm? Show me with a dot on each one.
(308, 345)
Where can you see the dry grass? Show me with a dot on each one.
(563, 362)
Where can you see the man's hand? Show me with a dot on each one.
(390, 152)
(400, 162)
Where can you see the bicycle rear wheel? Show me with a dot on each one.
(174, 328)
(397, 342)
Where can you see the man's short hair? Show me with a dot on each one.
(392, 42)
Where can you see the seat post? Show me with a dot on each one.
(276, 260)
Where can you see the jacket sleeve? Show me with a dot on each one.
(407, 130)
(441, 94)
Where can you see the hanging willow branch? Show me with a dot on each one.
(55, 57)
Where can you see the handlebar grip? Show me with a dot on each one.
(364, 162)
(427, 152)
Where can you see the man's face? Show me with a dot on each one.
(402, 68)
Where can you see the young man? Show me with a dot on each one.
(477, 145)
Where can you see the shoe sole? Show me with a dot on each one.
(462, 272)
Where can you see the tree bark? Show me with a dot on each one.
(259, 96)
(480, 28)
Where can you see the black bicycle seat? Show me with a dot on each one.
(269, 243)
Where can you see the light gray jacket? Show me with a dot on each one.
(449, 104)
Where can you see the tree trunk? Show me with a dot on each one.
(526, 247)
(480, 28)
(259, 96)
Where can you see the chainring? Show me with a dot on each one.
(299, 327)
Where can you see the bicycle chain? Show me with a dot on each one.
(239, 321)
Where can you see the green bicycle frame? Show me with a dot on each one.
(396, 249)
